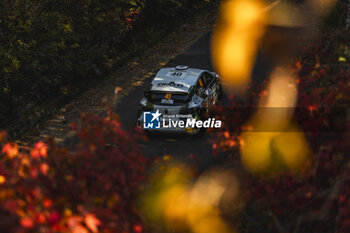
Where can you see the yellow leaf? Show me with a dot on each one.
(2, 179)
(342, 59)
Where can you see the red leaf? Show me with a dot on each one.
(44, 168)
(27, 222)
(47, 203)
(138, 228)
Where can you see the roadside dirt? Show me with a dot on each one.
(126, 78)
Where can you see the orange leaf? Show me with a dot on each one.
(10, 150)
(44, 168)
(35, 153)
(42, 148)
(79, 229)
(92, 222)
(2, 179)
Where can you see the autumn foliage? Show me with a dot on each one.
(48, 189)
(316, 199)
(93, 188)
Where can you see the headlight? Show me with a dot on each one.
(143, 102)
(144, 106)
(195, 102)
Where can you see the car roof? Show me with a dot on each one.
(176, 79)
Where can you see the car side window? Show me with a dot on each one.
(201, 87)
(208, 78)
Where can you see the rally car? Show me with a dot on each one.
(175, 94)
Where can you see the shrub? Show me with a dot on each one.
(48, 189)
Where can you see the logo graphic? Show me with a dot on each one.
(171, 84)
(151, 120)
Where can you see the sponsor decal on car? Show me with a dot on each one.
(171, 84)
(167, 96)
(167, 99)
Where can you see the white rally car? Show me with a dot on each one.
(177, 98)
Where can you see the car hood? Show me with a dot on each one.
(166, 82)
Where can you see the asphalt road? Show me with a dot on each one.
(179, 146)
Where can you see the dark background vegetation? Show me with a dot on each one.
(51, 51)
